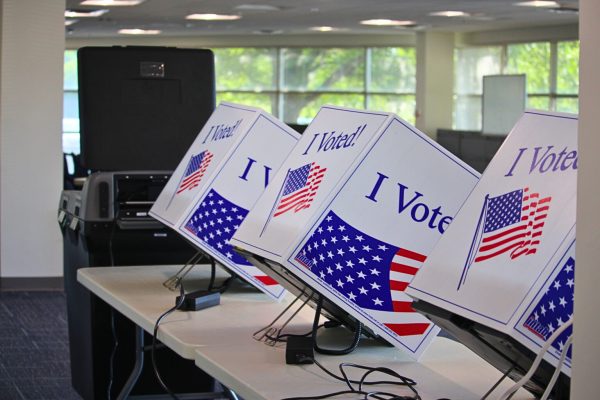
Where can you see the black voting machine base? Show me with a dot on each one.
(91, 341)
(150, 101)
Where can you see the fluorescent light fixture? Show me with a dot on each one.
(213, 17)
(538, 3)
(257, 7)
(386, 22)
(324, 29)
(111, 3)
(84, 13)
(69, 22)
(137, 31)
(449, 14)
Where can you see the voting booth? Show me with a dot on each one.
(353, 213)
(502, 277)
(220, 178)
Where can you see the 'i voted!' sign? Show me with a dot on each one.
(214, 141)
(372, 229)
(370, 240)
(224, 191)
(508, 258)
(328, 147)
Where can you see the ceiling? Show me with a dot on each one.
(298, 16)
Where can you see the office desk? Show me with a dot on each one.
(220, 341)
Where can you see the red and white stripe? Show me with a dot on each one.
(523, 238)
(302, 198)
(404, 266)
(194, 179)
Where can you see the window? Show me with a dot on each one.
(471, 65)
(70, 104)
(247, 76)
(552, 70)
(292, 83)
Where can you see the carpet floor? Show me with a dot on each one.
(34, 346)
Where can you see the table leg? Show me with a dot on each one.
(137, 368)
(230, 394)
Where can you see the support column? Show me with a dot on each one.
(586, 347)
(435, 81)
(32, 40)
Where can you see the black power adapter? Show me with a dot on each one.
(299, 350)
(199, 300)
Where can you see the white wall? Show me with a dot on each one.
(586, 348)
(31, 65)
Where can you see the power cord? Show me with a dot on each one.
(154, 335)
(380, 395)
(563, 356)
(336, 352)
(112, 354)
(506, 395)
(111, 366)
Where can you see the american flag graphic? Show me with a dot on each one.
(299, 188)
(555, 308)
(510, 223)
(370, 273)
(195, 171)
(214, 222)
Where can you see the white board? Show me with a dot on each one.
(503, 102)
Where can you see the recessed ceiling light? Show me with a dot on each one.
(538, 3)
(213, 17)
(111, 3)
(257, 7)
(386, 22)
(137, 31)
(564, 10)
(449, 14)
(84, 13)
(69, 22)
(325, 29)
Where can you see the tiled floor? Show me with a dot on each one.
(34, 350)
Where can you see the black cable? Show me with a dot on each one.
(337, 352)
(324, 396)
(213, 273)
(155, 332)
(406, 381)
(111, 257)
(112, 354)
(282, 338)
(225, 285)
(379, 395)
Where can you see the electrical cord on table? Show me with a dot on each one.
(380, 395)
(333, 352)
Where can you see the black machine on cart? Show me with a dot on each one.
(107, 224)
(140, 109)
